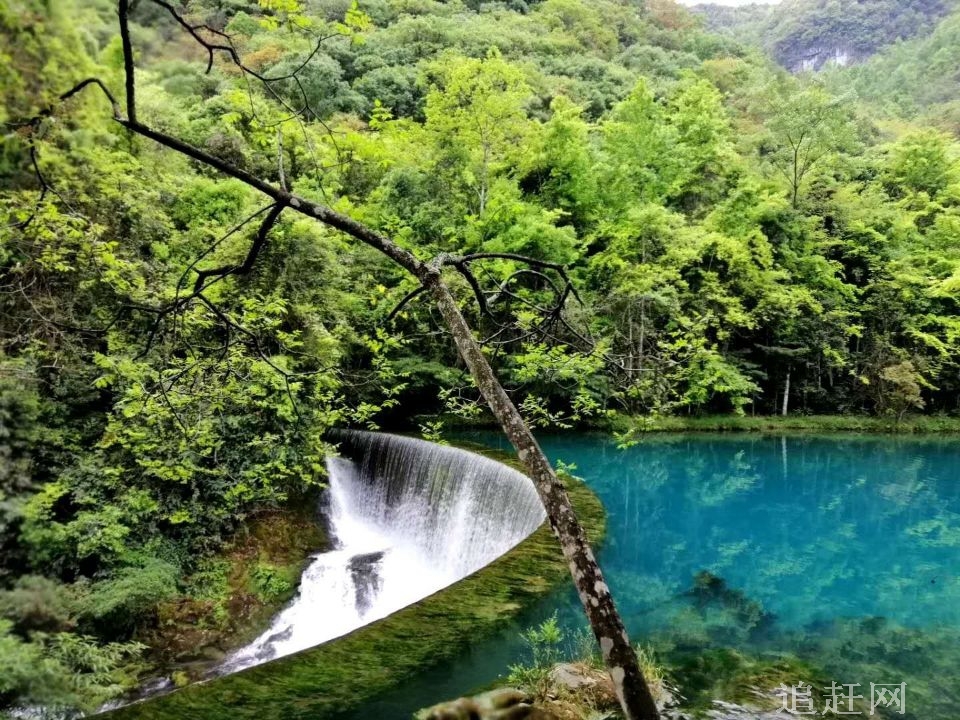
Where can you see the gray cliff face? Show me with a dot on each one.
(817, 57)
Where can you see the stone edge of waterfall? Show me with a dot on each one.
(348, 671)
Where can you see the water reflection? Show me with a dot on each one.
(843, 551)
(859, 527)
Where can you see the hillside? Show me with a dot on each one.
(743, 23)
(811, 34)
(918, 79)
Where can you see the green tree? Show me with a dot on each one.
(477, 120)
(807, 128)
(921, 162)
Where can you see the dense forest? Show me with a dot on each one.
(809, 34)
(740, 240)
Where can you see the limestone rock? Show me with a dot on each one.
(588, 684)
(500, 704)
(574, 676)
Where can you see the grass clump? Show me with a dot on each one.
(565, 674)
(544, 646)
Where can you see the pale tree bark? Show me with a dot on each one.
(785, 408)
(619, 656)
(601, 611)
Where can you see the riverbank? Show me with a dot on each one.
(233, 594)
(622, 424)
(776, 424)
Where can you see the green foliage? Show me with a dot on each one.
(544, 644)
(38, 604)
(271, 582)
(922, 162)
(807, 128)
(63, 671)
(734, 236)
(20, 434)
(117, 605)
(902, 391)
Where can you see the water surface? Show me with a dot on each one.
(842, 552)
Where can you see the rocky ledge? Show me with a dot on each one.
(576, 691)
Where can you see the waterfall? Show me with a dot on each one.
(407, 518)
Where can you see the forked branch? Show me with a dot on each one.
(259, 240)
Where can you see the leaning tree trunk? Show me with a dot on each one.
(618, 654)
(605, 621)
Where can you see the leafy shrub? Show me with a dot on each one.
(544, 647)
(37, 604)
(64, 673)
(211, 581)
(270, 582)
(115, 606)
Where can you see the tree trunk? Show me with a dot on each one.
(786, 395)
(643, 335)
(618, 654)
(796, 177)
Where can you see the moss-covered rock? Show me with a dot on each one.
(234, 594)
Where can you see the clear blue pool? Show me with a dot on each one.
(841, 553)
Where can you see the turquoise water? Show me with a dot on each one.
(841, 553)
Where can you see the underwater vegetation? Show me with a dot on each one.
(711, 590)
(706, 666)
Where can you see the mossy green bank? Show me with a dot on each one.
(777, 424)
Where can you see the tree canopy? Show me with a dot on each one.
(734, 234)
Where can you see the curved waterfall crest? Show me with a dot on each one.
(407, 518)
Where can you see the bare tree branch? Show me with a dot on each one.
(255, 247)
(403, 303)
(123, 9)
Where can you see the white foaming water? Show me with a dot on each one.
(408, 518)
